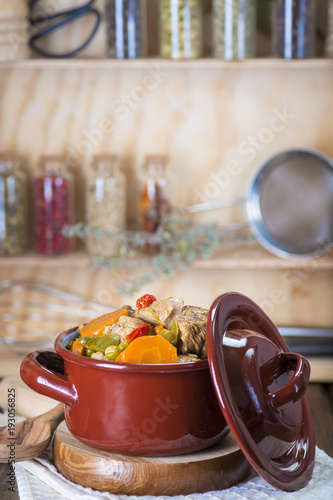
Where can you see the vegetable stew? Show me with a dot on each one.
(158, 331)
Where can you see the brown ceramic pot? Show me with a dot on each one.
(127, 408)
(251, 382)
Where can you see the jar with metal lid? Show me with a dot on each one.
(294, 28)
(105, 196)
(234, 29)
(180, 29)
(13, 206)
(53, 191)
(126, 28)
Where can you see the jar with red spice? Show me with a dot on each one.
(53, 206)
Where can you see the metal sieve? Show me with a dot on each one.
(289, 204)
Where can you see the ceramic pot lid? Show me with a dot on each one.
(260, 386)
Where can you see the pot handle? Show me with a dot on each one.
(38, 376)
(296, 387)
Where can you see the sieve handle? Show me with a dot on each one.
(211, 205)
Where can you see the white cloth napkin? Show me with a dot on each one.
(39, 480)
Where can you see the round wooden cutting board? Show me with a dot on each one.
(214, 469)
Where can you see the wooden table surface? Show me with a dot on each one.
(321, 401)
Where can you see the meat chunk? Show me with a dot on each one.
(124, 326)
(130, 310)
(147, 314)
(98, 355)
(192, 323)
(161, 312)
(187, 358)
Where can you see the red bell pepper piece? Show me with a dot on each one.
(141, 331)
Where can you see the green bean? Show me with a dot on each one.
(100, 343)
(172, 335)
(86, 341)
(104, 341)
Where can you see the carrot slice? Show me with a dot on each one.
(78, 348)
(149, 349)
(158, 329)
(96, 326)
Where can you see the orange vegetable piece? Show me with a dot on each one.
(96, 326)
(78, 348)
(149, 349)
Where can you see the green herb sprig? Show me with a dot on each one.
(177, 244)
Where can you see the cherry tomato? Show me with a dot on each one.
(145, 301)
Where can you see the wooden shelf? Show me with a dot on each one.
(73, 259)
(253, 257)
(203, 63)
(257, 257)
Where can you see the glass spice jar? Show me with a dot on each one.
(105, 195)
(329, 36)
(180, 29)
(154, 199)
(125, 28)
(294, 28)
(53, 191)
(234, 29)
(265, 16)
(13, 206)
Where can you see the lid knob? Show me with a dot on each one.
(295, 388)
